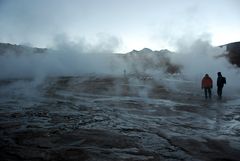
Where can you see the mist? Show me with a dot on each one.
(82, 58)
(118, 80)
(65, 58)
(199, 58)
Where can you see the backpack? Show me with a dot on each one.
(224, 80)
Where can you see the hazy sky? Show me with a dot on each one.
(135, 24)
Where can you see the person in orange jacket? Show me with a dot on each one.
(207, 86)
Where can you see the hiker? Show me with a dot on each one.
(207, 86)
(220, 83)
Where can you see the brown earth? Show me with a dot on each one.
(121, 119)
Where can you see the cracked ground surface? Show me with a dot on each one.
(105, 119)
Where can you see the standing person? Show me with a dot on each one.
(207, 86)
(220, 83)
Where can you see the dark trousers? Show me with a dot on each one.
(219, 92)
(207, 92)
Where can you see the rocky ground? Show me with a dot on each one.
(121, 119)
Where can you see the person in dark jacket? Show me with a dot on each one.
(207, 86)
(220, 83)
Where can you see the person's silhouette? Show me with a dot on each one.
(207, 86)
(220, 83)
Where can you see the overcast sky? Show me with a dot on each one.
(135, 24)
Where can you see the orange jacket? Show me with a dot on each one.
(206, 82)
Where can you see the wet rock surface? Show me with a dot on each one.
(105, 119)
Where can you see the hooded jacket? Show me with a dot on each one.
(206, 82)
(221, 80)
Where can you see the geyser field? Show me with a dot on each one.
(142, 106)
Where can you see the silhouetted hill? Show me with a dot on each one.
(234, 52)
(146, 59)
(149, 51)
(6, 48)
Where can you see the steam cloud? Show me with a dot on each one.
(69, 58)
(199, 58)
(66, 59)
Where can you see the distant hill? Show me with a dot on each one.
(6, 48)
(149, 59)
(146, 56)
(233, 52)
(149, 51)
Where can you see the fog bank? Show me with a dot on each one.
(68, 58)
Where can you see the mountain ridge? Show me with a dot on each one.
(232, 48)
(19, 49)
